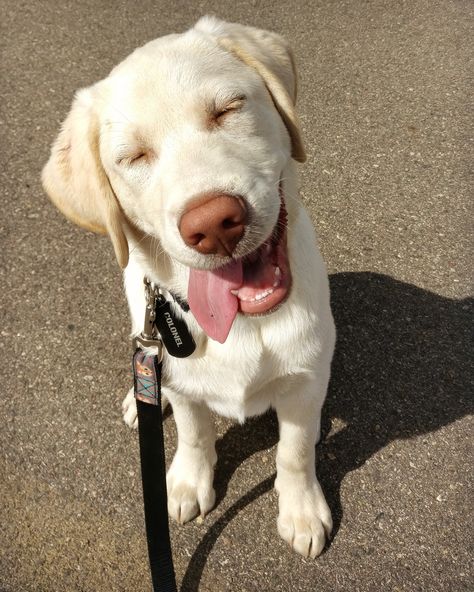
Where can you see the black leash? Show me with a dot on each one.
(155, 500)
(147, 370)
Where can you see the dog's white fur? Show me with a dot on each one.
(133, 152)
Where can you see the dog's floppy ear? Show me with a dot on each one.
(75, 179)
(270, 55)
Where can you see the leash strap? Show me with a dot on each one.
(161, 326)
(147, 386)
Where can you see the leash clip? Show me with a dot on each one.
(149, 337)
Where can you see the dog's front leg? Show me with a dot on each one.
(304, 518)
(190, 477)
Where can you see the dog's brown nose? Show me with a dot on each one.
(214, 224)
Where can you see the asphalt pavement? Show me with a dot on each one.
(386, 107)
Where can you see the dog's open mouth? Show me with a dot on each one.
(256, 284)
(266, 273)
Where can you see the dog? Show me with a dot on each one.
(185, 155)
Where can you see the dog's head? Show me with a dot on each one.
(186, 141)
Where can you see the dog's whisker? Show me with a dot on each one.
(145, 236)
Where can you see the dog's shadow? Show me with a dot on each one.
(401, 369)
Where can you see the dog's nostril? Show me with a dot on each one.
(214, 224)
(195, 239)
(229, 223)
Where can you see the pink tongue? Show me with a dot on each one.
(211, 301)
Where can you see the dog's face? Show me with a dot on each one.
(186, 142)
(178, 126)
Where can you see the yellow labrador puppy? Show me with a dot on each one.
(185, 155)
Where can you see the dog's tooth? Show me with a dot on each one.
(264, 294)
(277, 273)
(234, 292)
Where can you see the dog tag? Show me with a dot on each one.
(173, 330)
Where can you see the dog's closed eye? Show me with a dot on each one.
(220, 112)
(141, 156)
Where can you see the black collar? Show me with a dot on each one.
(182, 303)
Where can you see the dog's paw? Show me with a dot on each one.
(129, 410)
(304, 519)
(189, 482)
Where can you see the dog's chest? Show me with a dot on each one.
(242, 377)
